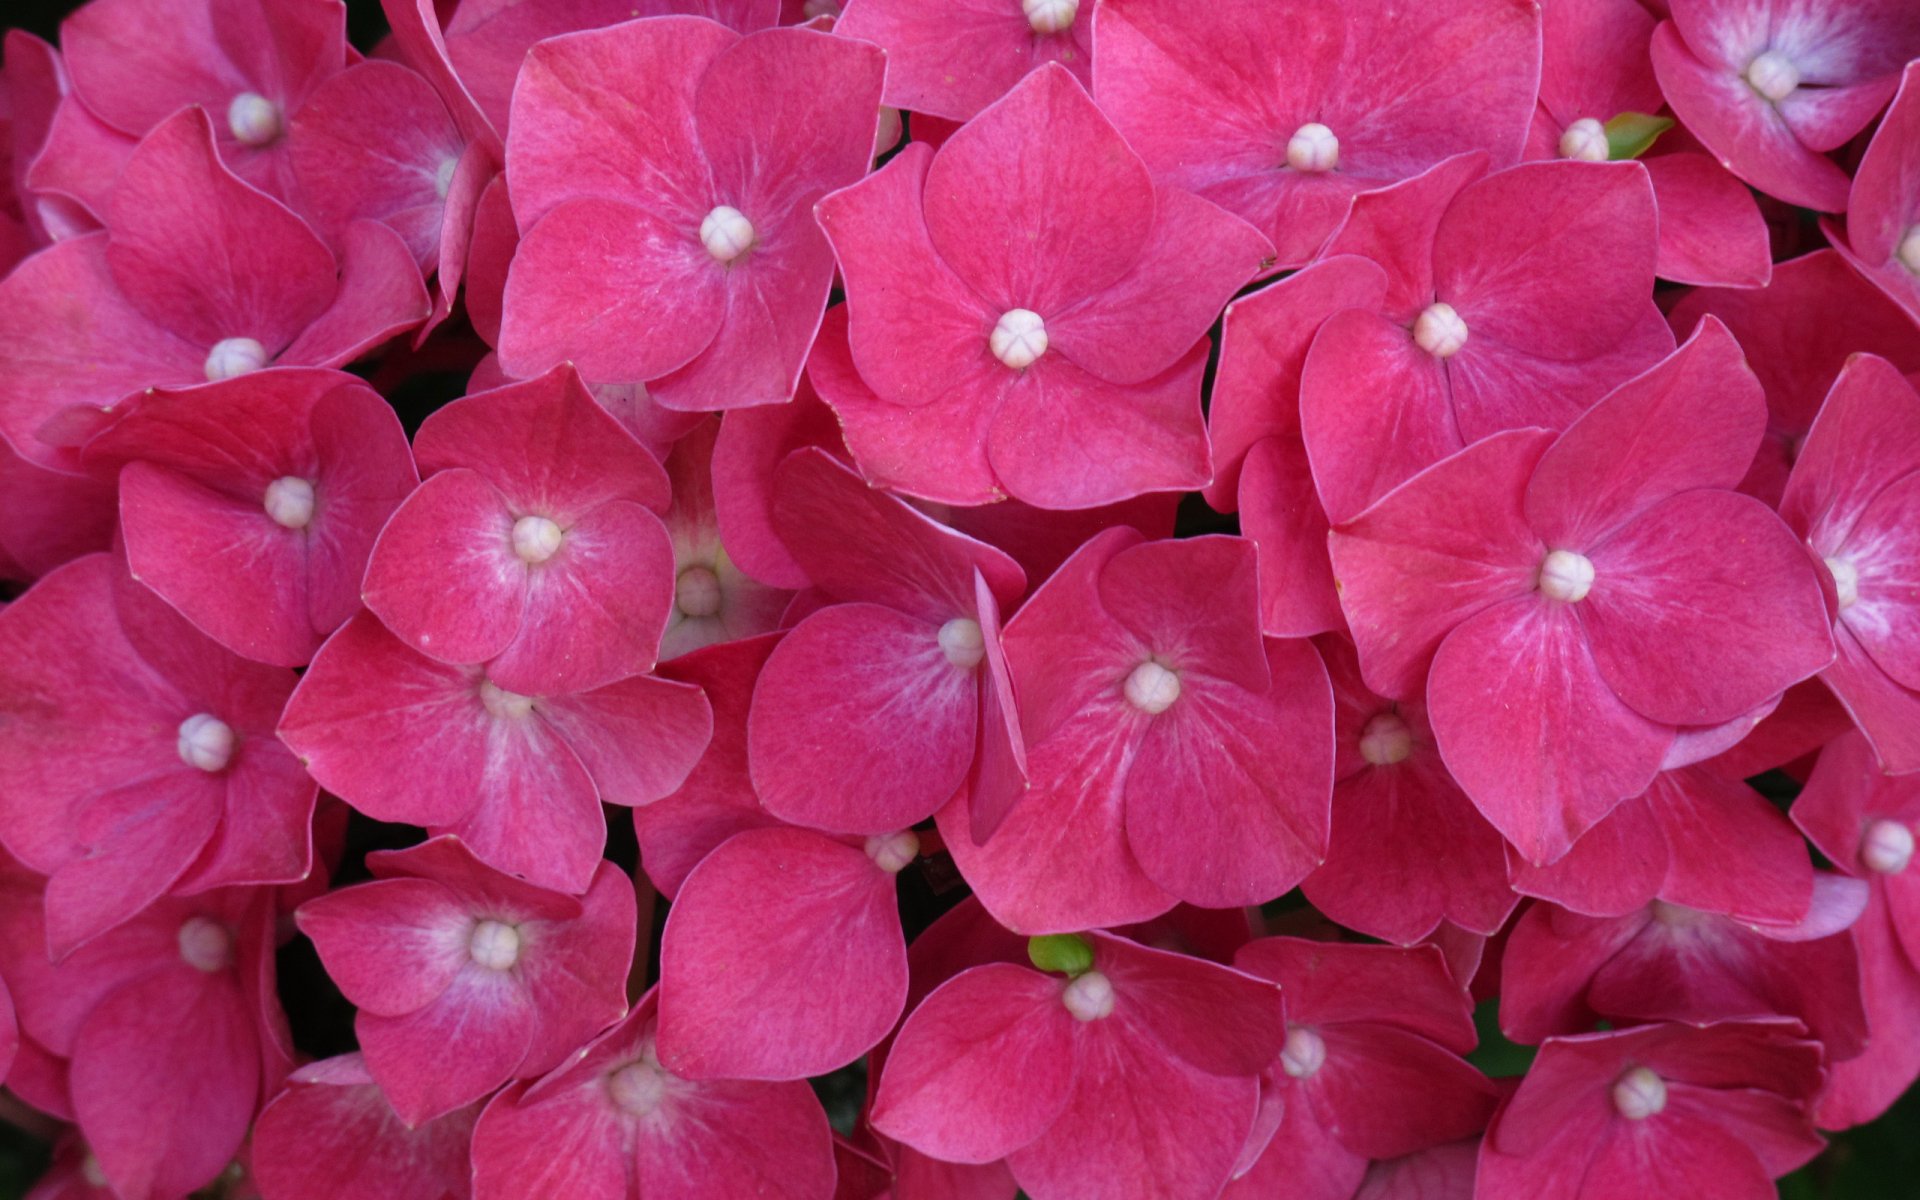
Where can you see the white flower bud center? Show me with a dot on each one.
(205, 742)
(536, 539)
(254, 119)
(696, 593)
(502, 703)
(91, 1172)
(1088, 996)
(1050, 16)
(443, 176)
(726, 233)
(1386, 740)
(1440, 331)
(289, 501)
(894, 852)
(1019, 339)
(1313, 148)
(495, 945)
(1566, 575)
(1846, 581)
(1585, 141)
(1304, 1054)
(231, 357)
(639, 1087)
(1773, 75)
(1639, 1094)
(205, 944)
(1909, 252)
(1152, 688)
(1887, 846)
(963, 643)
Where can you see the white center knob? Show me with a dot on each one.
(1019, 339)
(1050, 16)
(1887, 847)
(893, 852)
(1846, 581)
(1304, 1054)
(1639, 1094)
(231, 357)
(1089, 997)
(726, 233)
(253, 119)
(503, 703)
(1386, 740)
(1152, 688)
(536, 539)
(1773, 75)
(638, 1087)
(963, 643)
(1585, 141)
(696, 593)
(205, 944)
(1909, 252)
(1313, 149)
(205, 742)
(495, 945)
(1440, 331)
(1565, 575)
(289, 501)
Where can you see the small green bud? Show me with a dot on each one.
(1632, 134)
(1068, 953)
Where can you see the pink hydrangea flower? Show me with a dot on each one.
(1051, 320)
(1771, 85)
(466, 978)
(137, 756)
(197, 277)
(533, 546)
(33, 80)
(52, 517)
(1719, 1110)
(629, 1123)
(645, 148)
(519, 777)
(1004, 1061)
(1582, 598)
(1283, 111)
(251, 505)
(1174, 753)
(1479, 334)
(9, 1031)
(332, 1132)
(1865, 822)
(1882, 235)
(713, 599)
(1371, 1067)
(874, 740)
(952, 60)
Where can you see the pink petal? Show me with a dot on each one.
(955, 61)
(392, 946)
(453, 1051)
(443, 574)
(1884, 711)
(331, 1129)
(137, 842)
(1280, 511)
(817, 996)
(1863, 441)
(999, 775)
(1385, 1092)
(1863, 1087)
(639, 737)
(381, 295)
(51, 516)
(1226, 1022)
(1711, 231)
(1731, 852)
(1886, 617)
(1396, 227)
(1301, 1161)
(751, 446)
(1191, 602)
(1616, 868)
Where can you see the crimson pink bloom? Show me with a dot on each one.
(876, 709)
(1003, 1061)
(953, 59)
(1283, 111)
(1175, 754)
(197, 277)
(1479, 334)
(1717, 1110)
(783, 955)
(250, 63)
(684, 161)
(1582, 599)
(251, 505)
(466, 978)
(1797, 349)
(520, 778)
(533, 546)
(31, 87)
(1393, 802)
(1050, 320)
(1695, 839)
(1771, 85)
(1854, 495)
(1882, 235)
(630, 1126)
(137, 757)
(1371, 1068)
(1561, 971)
(170, 1025)
(9, 1031)
(713, 599)
(1865, 823)
(332, 1133)
(52, 517)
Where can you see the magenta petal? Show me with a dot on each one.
(1887, 713)
(393, 945)
(1711, 231)
(1703, 608)
(1281, 512)
(953, 61)
(1385, 1092)
(443, 575)
(1301, 1160)
(138, 841)
(332, 1129)
(484, 1016)
(783, 958)
(999, 776)
(1528, 725)
(1226, 1022)
(380, 295)
(982, 1067)
(1616, 868)
(1496, 386)
(639, 737)
(1886, 616)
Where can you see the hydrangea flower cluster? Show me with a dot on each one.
(1126, 563)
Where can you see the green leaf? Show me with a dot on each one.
(1632, 134)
